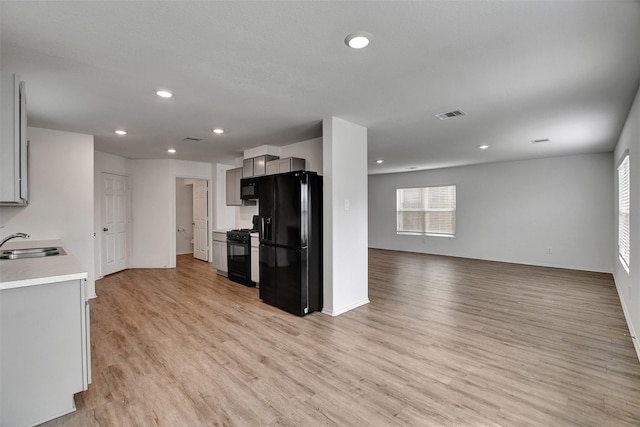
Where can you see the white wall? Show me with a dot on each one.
(628, 284)
(310, 150)
(153, 204)
(61, 195)
(345, 255)
(244, 216)
(184, 216)
(104, 162)
(153, 208)
(224, 217)
(512, 212)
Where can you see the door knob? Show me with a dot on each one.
(105, 229)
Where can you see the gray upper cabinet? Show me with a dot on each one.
(256, 166)
(14, 149)
(233, 187)
(288, 164)
(247, 168)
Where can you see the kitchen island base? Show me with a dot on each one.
(44, 351)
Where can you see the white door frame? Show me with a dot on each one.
(172, 244)
(100, 236)
(198, 186)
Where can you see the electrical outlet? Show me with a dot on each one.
(549, 252)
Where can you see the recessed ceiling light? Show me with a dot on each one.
(121, 132)
(218, 130)
(164, 93)
(379, 161)
(171, 150)
(483, 147)
(358, 40)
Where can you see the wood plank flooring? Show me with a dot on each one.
(445, 341)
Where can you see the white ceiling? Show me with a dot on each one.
(269, 72)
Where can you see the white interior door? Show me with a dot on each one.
(200, 220)
(115, 223)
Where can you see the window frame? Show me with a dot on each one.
(624, 249)
(425, 210)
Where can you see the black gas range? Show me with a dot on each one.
(239, 255)
(241, 234)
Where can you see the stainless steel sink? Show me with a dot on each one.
(31, 252)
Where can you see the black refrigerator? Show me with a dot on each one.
(290, 230)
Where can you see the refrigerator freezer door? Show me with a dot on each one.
(282, 282)
(291, 291)
(267, 270)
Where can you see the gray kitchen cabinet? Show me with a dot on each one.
(220, 252)
(288, 164)
(247, 168)
(256, 166)
(233, 187)
(14, 156)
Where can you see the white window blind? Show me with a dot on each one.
(427, 210)
(624, 241)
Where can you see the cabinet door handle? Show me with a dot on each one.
(105, 229)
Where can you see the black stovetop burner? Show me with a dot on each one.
(242, 234)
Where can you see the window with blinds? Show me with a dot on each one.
(624, 242)
(427, 210)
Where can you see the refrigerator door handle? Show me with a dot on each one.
(261, 229)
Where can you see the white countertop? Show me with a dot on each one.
(16, 273)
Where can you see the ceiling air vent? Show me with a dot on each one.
(192, 139)
(540, 141)
(450, 114)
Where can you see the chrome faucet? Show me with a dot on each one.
(13, 236)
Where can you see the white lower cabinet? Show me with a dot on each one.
(255, 260)
(45, 352)
(220, 252)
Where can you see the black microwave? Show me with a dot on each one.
(248, 188)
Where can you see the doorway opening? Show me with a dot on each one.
(192, 217)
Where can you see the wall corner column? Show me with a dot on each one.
(345, 211)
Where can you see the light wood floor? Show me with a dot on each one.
(445, 341)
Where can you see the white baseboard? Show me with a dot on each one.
(345, 308)
(634, 337)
